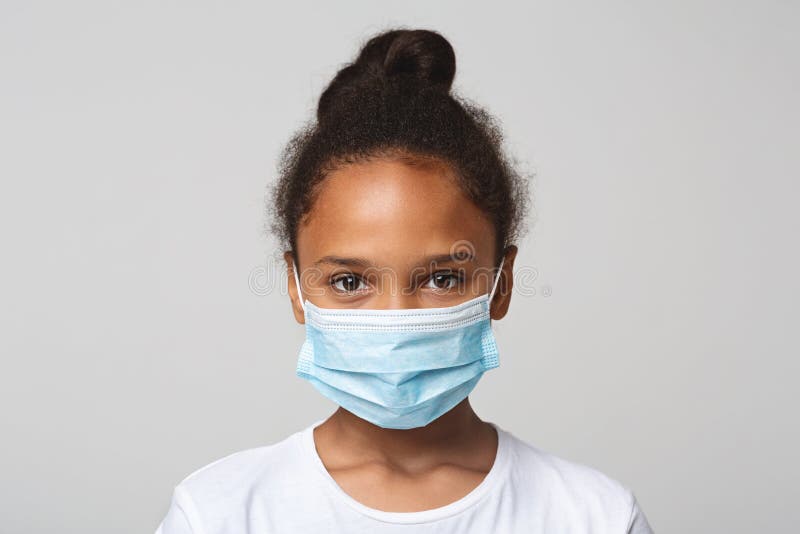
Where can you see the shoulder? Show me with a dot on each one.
(209, 494)
(568, 475)
(573, 489)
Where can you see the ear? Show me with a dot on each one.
(294, 294)
(502, 295)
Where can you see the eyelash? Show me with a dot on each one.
(456, 277)
(342, 277)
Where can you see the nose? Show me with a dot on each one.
(396, 300)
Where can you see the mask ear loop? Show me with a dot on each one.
(297, 282)
(496, 279)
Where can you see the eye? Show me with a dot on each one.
(347, 283)
(444, 280)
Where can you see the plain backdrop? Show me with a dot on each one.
(145, 325)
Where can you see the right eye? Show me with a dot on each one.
(347, 283)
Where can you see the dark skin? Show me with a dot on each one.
(388, 234)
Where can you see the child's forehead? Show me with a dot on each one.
(383, 195)
(388, 187)
(392, 207)
(405, 167)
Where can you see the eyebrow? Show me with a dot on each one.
(460, 257)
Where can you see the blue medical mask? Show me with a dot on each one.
(398, 368)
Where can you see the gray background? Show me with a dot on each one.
(144, 331)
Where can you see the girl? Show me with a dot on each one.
(399, 213)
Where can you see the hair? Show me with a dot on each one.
(395, 101)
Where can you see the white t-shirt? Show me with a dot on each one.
(285, 488)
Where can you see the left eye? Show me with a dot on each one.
(443, 280)
(348, 283)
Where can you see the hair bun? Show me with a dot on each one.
(423, 55)
(413, 59)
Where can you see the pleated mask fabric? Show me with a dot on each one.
(398, 368)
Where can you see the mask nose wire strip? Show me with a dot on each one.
(297, 282)
(496, 279)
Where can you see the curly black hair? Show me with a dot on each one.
(395, 101)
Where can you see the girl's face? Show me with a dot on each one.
(386, 234)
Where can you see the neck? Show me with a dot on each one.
(458, 431)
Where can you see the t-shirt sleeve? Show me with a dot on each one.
(638, 523)
(179, 518)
